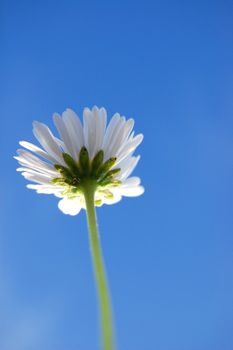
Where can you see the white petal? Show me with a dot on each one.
(132, 191)
(45, 189)
(49, 186)
(33, 171)
(129, 147)
(101, 117)
(70, 206)
(127, 166)
(64, 134)
(122, 132)
(94, 127)
(39, 178)
(47, 141)
(94, 131)
(88, 130)
(60, 144)
(109, 134)
(131, 182)
(115, 137)
(29, 160)
(128, 128)
(37, 150)
(74, 127)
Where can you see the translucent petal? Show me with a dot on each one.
(129, 147)
(47, 140)
(70, 206)
(37, 150)
(131, 182)
(132, 191)
(31, 161)
(100, 129)
(74, 127)
(109, 134)
(117, 137)
(65, 134)
(39, 178)
(127, 166)
(46, 189)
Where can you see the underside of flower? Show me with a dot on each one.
(76, 174)
(92, 152)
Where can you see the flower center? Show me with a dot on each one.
(74, 175)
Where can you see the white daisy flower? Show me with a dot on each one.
(94, 152)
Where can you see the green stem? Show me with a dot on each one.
(99, 270)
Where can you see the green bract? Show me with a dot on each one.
(75, 174)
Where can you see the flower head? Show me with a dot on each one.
(94, 152)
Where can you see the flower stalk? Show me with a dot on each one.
(99, 270)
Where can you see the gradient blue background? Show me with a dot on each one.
(168, 64)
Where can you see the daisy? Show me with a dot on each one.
(88, 165)
(94, 151)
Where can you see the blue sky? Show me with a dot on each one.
(168, 64)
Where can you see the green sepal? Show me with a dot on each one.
(109, 176)
(65, 172)
(106, 167)
(73, 166)
(97, 162)
(84, 161)
(111, 173)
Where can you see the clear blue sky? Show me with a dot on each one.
(168, 64)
